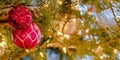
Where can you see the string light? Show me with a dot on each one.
(66, 36)
(66, 15)
(74, 20)
(48, 41)
(79, 32)
(64, 49)
(3, 44)
(101, 57)
(59, 33)
(59, 2)
(104, 56)
(98, 50)
(115, 51)
(87, 30)
(41, 54)
(46, 4)
(97, 42)
(27, 50)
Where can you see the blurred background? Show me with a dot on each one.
(71, 30)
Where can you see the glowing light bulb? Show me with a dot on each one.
(115, 51)
(3, 42)
(66, 36)
(79, 32)
(101, 57)
(87, 30)
(74, 20)
(104, 56)
(41, 54)
(59, 33)
(27, 50)
(60, 2)
(2, 45)
(48, 41)
(64, 49)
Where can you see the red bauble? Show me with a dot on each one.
(19, 17)
(27, 38)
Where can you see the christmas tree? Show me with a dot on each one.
(69, 30)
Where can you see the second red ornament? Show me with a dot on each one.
(27, 38)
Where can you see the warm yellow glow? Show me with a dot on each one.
(3, 38)
(99, 47)
(3, 44)
(64, 49)
(66, 36)
(59, 33)
(98, 50)
(79, 32)
(66, 15)
(46, 4)
(41, 54)
(115, 51)
(60, 2)
(101, 57)
(97, 42)
(27, 50)
(74, 19)
(48, 41)
(87, 30)
(104, 56)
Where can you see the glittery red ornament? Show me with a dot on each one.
(19, 17)
(27, 38)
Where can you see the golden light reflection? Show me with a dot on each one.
(101, 57)
(115, 51)
(87, 30)
(79, 32)
(104, 56)
(66, 16)
(47, 4)
(27, 50)
(48, 41)
(41, 54)
(3, 44)
(64, 50)
(98, 50)
(59, 33)
(60, 2)
(66, 36)
(74, 19)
